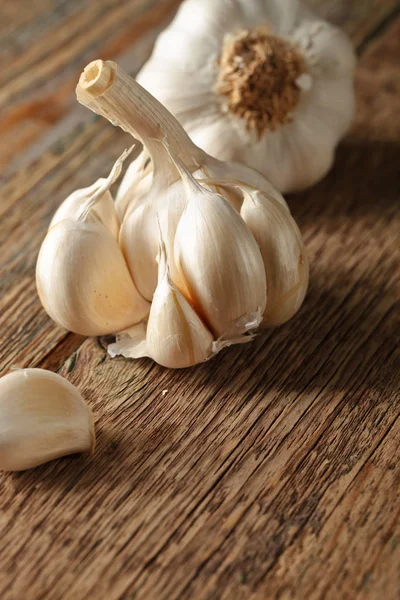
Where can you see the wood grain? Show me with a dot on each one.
(271, 472)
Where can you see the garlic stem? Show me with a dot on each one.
(107, 90)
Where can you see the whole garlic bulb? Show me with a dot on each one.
(42, 417)
(209, 287)
(263, 82)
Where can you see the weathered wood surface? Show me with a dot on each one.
(271, 472)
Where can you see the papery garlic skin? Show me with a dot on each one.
(42, 417)
(183, 73)
(83, 281)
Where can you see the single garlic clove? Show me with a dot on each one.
(284, 255)
(97, 197)
(139, 237)
(83, 281)
(220, 262)
(42, 417)
(176, 337)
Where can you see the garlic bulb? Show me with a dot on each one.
(42, 417)
(263, 82)
(208, 289)
(97, 195)
(83, 281)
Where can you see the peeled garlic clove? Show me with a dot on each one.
(42, 417)
(283, 252)
(83, 281)
(97, 196)
(220, 262)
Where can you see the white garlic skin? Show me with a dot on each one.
(42, 417)
(104, 208)
(182, 74)
(83, 281)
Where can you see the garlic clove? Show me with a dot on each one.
(97, 196)
(42, 417)
(83, 281)
(139, 237)
(139, 247)
(176, 337)
(282, 248)
(220, 262)
(284, 255)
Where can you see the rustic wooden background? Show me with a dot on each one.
(272, 472)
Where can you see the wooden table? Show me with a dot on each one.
(271, 472)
